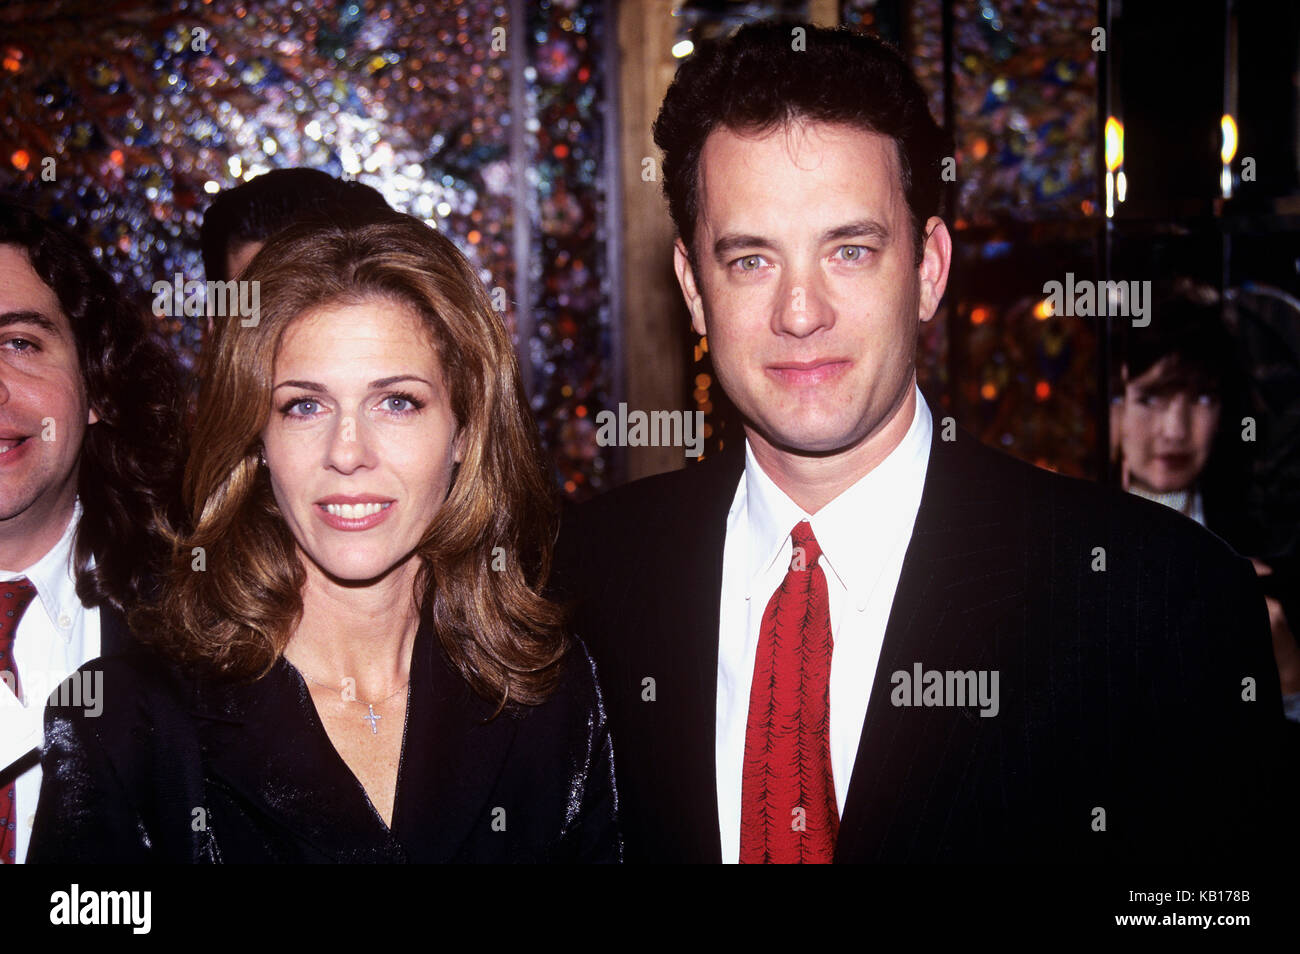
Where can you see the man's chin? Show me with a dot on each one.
(810, 441)
(13, 506)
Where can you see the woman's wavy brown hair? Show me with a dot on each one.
(237, 615)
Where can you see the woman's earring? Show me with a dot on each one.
(261, 456)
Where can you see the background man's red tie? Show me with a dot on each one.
(15, 596)
(788, 813)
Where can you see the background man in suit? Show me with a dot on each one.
(861, 635)
(90, 452)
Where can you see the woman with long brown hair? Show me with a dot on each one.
(352, 658)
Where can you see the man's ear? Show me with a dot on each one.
(936, 256)
(691, 292)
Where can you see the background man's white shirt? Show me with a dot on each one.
(864, 534)
(55, 636)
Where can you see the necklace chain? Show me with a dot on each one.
(378, 702)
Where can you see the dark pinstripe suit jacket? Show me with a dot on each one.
(1140, 715)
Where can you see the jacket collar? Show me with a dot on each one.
(265, 742)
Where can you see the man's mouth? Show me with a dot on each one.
(9, 443)
(808, 373)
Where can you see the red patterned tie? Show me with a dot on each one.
(15, 596)
(788, 813)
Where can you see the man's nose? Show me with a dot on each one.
(804, 307)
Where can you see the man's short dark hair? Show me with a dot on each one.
(756, 80)
(128, 477)
(255, 210)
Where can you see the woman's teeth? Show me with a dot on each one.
(355, 511)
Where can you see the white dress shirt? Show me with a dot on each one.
(55, 636)
(863, 533)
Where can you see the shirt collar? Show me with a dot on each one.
(886, 499)
(53, 577)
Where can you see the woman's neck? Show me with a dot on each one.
(361, 633)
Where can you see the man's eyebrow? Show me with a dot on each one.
(29, 318)
(862, 228)
(727, 244)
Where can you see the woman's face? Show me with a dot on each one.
(1167, 433)
(361, 440)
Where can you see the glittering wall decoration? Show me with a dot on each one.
(1025, 94)
(1026, 212)
(146, 114)
(571, 343)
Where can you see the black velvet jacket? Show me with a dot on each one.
(179, 769)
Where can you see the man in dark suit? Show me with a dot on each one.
(860, 635)
(90, 453)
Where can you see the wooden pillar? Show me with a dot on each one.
(824, 13)
(656, 325)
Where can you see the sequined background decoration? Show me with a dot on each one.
(571, 345)
(1026, 212)
(147, 113)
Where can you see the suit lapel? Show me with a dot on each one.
(963, 571)
(452, 757)
(692, 598)
(264, 743)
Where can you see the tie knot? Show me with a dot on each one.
(15, 595)
(807, 551)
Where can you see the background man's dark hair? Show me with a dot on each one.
(255, 210)
(756, 81)
(128, 477)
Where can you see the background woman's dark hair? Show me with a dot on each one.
(129, 473)
(755, 80)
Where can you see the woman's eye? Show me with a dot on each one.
(303, 407)
(402, 404)
(26, 345)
